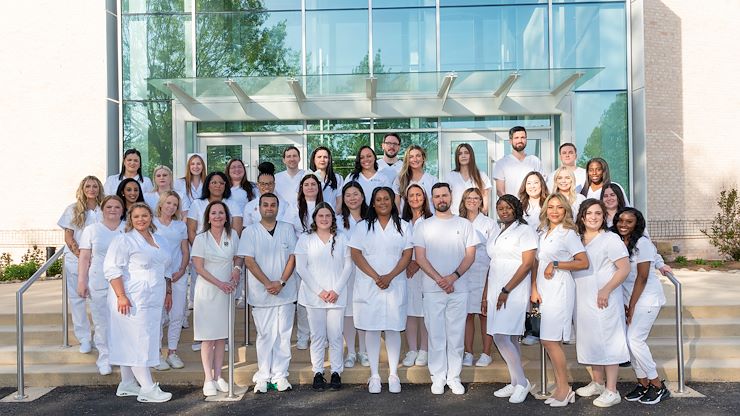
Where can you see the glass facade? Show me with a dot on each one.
(237, 38)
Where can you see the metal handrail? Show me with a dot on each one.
(679, 331)
(20, 394)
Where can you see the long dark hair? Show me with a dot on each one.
(638, 232)
(472, 166)
(516, 205)
(330, 180)
(621, 200)
(302, 205)
(206, 193)
(332, 229)
(524, 196)
(580, 219)
(207, 211)
(345, 209)
(408, 213)
(605, 177)
(244, 182)
(131, 151)
(358, 167)
(119, 193)
(372, 215)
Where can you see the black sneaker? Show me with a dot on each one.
(319, 383)
(655, 394)
(636, 394)
(625, 364)
(336, 381)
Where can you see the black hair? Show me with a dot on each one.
(244, 183)
(206, 193)
(302, 205)
(289, 148)
(516, 205)
(266, 168)
(131, 151)
(372, 215)
(605, 177)
(393, 135)
(585, 205)
(332, 229)
(207, 211)
(441, 185)
(524, 196)
(621, 200)
(638, 232)
(358, 167)
(408, 214)
(119, 193)
(330, 179)
(345, 209)
(269, 195)
(516, 129)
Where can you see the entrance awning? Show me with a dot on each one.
(394, 95)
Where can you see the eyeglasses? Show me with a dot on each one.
(392, 143)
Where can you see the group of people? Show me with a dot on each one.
(387, 249)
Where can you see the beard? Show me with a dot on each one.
(390, 154)
(442, 207)
(519, 146)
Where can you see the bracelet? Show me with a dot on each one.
(505, 291)
(456, 273)
(237, 268)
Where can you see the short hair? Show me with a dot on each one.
(566, 145)
(289, 148)
(516, 129)
(138, 205)
(393, 135)
(441, 185)
(162, 197)
(269, 195)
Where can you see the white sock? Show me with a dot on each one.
(507, 347)
(144, 377)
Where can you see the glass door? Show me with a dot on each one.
(270, 149)
(252, 150)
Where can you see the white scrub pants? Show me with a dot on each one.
(101, 317)
(637, 335)
(274, 327)
(444, 317)
(77, 305)
(326, 324)
(176, 315)
(303, 331)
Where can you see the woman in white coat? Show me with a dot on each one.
(600, 315)
(322, 166)
(130, 168)
(218, 267)
(366, 173)
(506, 296)
(91, 283)
(324, 265)
(415, 211)
(137, 266)
(381, 249)
(163, 182)
(471, 206)
(532, 194)
(565, 184)
(466, 175)
(85, 211)
(413, 171)
(560, 252)
(190, 186)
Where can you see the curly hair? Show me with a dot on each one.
(130, 225)
(635, 235)
(567, 222)
(332, 229)
(515, 204)
(79, 212)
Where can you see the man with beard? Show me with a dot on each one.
(391, 146)
(510, 170)
(445, 249)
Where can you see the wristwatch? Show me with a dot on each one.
(555, 264)
(282, 283)
(504, 291)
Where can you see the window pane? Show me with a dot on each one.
(444, 3)
(343, 146)
(379, 4)
(406, 123)
(154, 6)
(249, 44)
(480, 149)
(496, 37)
(147, 126)
(337, 42)
(237, 5)
(428, 141)
(272, 153)
(218, 156)
(326, 125)
(506, 122)
(336, 4)
(404, 40)
(249, 126)
(592, 35)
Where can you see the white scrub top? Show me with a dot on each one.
(320, 269)
(65, 222)
(97, 238)
(187, 200)
(459, 185)
(331, 194)
(476, 275)
(376, 309)
(395, 168)
(240, 198)
(348, 310)
(653, 294)
(369, 184)
(532, 215)
(152, 199)
(174, 234)
(198, 208)
(251, 214)
(426, 182)
(513, 171)
(286, 186)
(112, 182)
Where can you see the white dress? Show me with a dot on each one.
(376, 309)
(320, 269)
(414, 298)
(112, 182)
(505, 250)
(369, 184)
(459, 185)
(134, 339)
(558, 294)
(348, 310)
(485, 228)
(211, 304)
(601, 332)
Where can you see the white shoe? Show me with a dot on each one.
(570, 398)
(260, 387)
(196, 346)
(162, 366)
(409, 359)
(174, 361)
(302, 344)
(105, 370)
(240, 303)
(364, 361)
(607, 399)
(210, 388)
(154, 395)
(85, 347)
(373, 385)
(438, 387)
(127, 389)
(530, 340)
(349, 362)
(185, 323)
(520, 393)
(592, 389)
(456, 387)
(226, 346)
(505, 391)
(394, 384)
(484, 360)
(222, 385)
(467, 360)
(422, 359)
(282, 384)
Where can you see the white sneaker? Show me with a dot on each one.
(210, 388)
(162, 366)
(349, 362)
(154, 395)
(85, 347)
(467, 360)
(260, 387)
(438, 387)
(127, 389)
(506, 391)
(196, 346)
(364, 361)
(394, 384)
(240, 303)
(484, 360)
(422, 359)
(105, 370)
(174, 361)
(520, 393)
(222, 385)
(456, 387)
(373, 385)
(409, 359)
(607, 399)
(282, 384)
(592, 389)
(302, 344)
(530, 340)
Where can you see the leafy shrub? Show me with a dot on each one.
(19, 271)
(700, 262)
(724, 233)
(682, 261)
(33, 255)
(55, 268)
(716, 263)
(5, 260)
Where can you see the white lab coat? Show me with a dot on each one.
(198, 208)
(320, 269)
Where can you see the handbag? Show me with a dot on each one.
(532, 323)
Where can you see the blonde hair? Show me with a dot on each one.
(404, 177)
(463, 208)
(567, 222)
(154, 174)
(571, 195)
(163, 197)
(137, 205)
(79, 212)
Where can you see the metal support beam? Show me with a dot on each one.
(504, 88)
(239, 93)
(295, 86)
(446, 86)
(371, 87)
(186, 99)
(559, 92)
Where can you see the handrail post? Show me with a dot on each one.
(20, 395)
(231, 346)
(679, 332)
(65, 307)
(543, 371)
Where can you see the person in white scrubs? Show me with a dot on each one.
(309, 196)
(267, 247)
(470, 208)
(85, 211)
(597, 171)
(354, 210)
(560, 253)
(600, 321)
(391, 145)
(137, 266)
(565, 182)
(643, 298)
(170, 226)
(568, 158)
(215, 189)
(381, 249)
(613, 199)
(415, 212)
(91, 283)
(130, 168)
(322, 166)
(129, 190)
(324, 265)
(466, 175)
(265, 185)
(242, 190)
(218, 267)
(413, 172)
(287, 181)
(510, 170)
(444, 262)
(532, 194)
(163, 182)
(506, 297)
(366, 172)
(190, 186)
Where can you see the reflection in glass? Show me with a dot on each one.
(219, 156)
(272, 153)
(404, 40)
(147, 126)
(240, 5)
(249, 126)
(336, 41)
(506, 122)
(326, 125)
